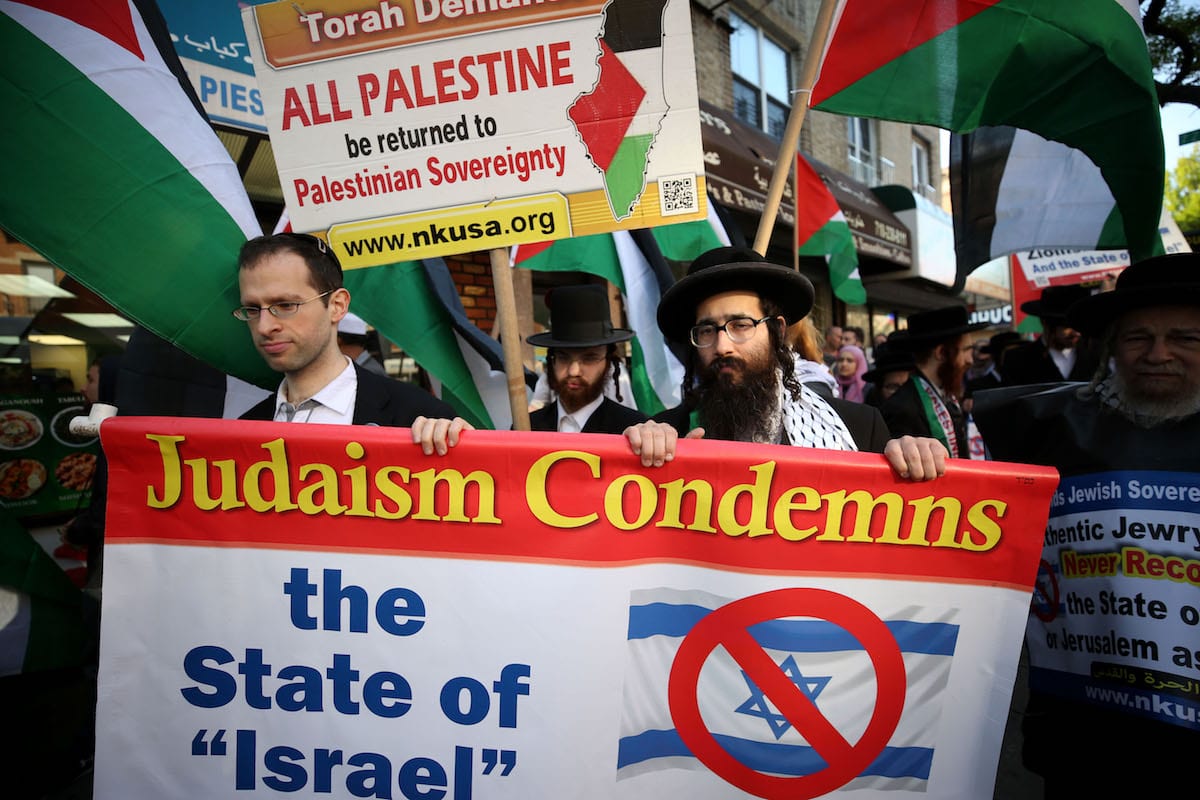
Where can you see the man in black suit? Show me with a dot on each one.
(292, 300)
(740, 384)
(930, 403)
(581, 355)
(1060, 354)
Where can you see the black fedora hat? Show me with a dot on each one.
(579, 318)
(1170, 280)
(1055, 301)
(1001, 342)
(889, 358)
(931, 327)
(731, 269)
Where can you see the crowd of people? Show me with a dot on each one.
(1113, 383)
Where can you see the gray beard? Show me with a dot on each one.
(745, 412)
(1150, 412)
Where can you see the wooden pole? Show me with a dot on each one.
(510, 336)
(791, 133)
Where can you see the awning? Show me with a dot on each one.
(739, 161)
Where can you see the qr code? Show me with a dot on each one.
(677, 195)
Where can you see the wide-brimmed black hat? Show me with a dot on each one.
(579, 317)
(889, 358)
(1170, 280)
(731, 269)
(1000, 342)
(1055, 301)
(927, 328)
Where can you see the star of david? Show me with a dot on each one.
(757, 705)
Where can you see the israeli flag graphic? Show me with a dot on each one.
(826, 662)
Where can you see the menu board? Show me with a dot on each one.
(44, 468)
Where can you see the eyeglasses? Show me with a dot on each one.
(738, 329)
(586, 359)
(279, 310)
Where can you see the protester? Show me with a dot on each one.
(810, 364)
(91, 389)
(292, 300)
(851, 366)
(1059, 355)
(740, 382)
(930, 403)
(1136, 428)
(353, 339)
(891, 370)
(582, 354)
(833, 343)
(853, 336)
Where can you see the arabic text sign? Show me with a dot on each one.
(338, 611)
(410, 120)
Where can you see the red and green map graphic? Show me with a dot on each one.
(619, 118)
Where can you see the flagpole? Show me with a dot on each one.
(510, 336)
(791, 133)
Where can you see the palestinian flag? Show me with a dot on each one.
(114, 175)
(821, 230)
(1077, 76)
(620, 116)
(1012, 190)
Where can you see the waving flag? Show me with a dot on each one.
(1082, 78)
(821, 230)
(114, 175)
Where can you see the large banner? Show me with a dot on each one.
(420, 128)
(1117, 606)
(317, 609)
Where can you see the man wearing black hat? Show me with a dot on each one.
(930, 403)
(1113, 656)
(582, 353)
(892, 368)
(733, 308)
(1059, 354)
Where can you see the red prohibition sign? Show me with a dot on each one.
(728, 627)
(1051, 602)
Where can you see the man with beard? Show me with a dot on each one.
(740, 384)
(930, 403)
(581, 353)
(1113, 652)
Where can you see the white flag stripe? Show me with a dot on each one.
(1050, 194)
(491, 384)
(641, 304)
(164, 112)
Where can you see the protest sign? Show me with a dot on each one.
(323, 608)
(1115, 608)
(421, 128)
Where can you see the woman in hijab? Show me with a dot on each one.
(848, 370)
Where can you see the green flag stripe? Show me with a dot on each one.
(72, 153)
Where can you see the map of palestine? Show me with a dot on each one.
(619, 119)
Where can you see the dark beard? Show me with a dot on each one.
(950, 374)
(574, 399)
(742, 411)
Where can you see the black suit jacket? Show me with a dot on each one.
(610, 417)
(866, 426)
(905, 416)
(1032, 363)
(379, 401)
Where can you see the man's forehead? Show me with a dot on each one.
(1160, 317)
(729, 304)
